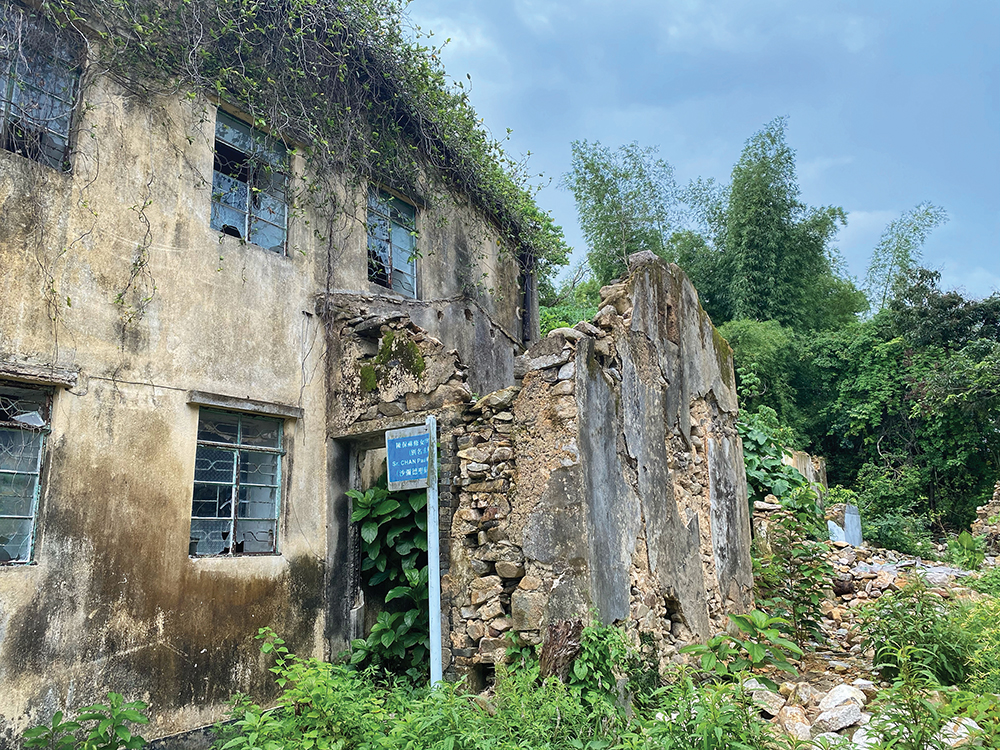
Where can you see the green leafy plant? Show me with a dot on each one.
(982, 621)
(694, 715)
(966, 551)
(603, 653)
(930, 628)
(394, 556)
(761, 644)
(109, 727)
(906, 716)
(987, 582)
(791, 574)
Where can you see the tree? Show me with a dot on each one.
(626, 200)
(779, 248)
(898, 250)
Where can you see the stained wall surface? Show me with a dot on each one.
(117, 295)
(610, 481)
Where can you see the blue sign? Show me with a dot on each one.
(407, 457)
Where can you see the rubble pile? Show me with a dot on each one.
(987, 523)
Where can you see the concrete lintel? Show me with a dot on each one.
(371, 434)
(41, 374)
(249, 405)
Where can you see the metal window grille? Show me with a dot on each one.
(392, 243)
(39, 75)
(249, 184)
(24, 423)
(237, 485)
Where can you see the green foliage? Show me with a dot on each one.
(394, 557)
(692, 715)
(322, 706)
(769, 351)
(982, 621)
(603, 653)
(966, 551)
(108, 727)
(987, 582)
(898, 250)
(791, 574)
(332, 707)
(921, 625)
(626, 200)
(762, 447)
(906, 715)
(576, 300)
(761, 643)
(913, 427)
(356, 84)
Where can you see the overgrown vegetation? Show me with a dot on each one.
(358, 90)
(897, 384)
(394, 563)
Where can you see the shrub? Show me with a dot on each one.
(987, 582)
(791, 574)
(762, 645)
(109, 727)
(967, 551)
(982, 621)
(925, 624)
(694, 715)
(903, 533)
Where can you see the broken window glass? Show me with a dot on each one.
(38, 85)
(249, 184)
(24, 421)
(237, 484)
(392, 243)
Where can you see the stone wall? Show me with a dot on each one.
(610, 480)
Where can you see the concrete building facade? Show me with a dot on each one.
(169, 480)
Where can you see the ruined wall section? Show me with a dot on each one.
(616, 486)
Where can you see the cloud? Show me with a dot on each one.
(814, 169)
(976, 282)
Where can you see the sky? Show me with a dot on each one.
(889, 103)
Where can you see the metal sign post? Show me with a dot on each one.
(411, 459)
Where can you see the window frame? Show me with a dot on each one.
(42, 396)
(253, 168)
(237, 448)
(55, 57)
(381, 205)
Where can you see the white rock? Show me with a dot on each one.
(864, 739)
(839, 717)
(840, 695)
(960, 733)
(793, 720)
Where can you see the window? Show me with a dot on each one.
(392, 243)
(24, 422)
(237, 484)
(38, 81)
(249, 184)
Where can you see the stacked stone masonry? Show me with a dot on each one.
(607, 481)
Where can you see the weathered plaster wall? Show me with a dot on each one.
(112, 601)
(611, 479)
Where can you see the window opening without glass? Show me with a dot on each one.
(237, 484)
(24, 422)
(392, 243)
(249, 184)
(38, 85)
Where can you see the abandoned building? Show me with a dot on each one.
(193, 374)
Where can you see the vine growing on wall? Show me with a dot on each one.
(361, 91)
(394, 561)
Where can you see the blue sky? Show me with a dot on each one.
(889, 103)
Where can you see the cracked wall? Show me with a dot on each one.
(610, 481)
